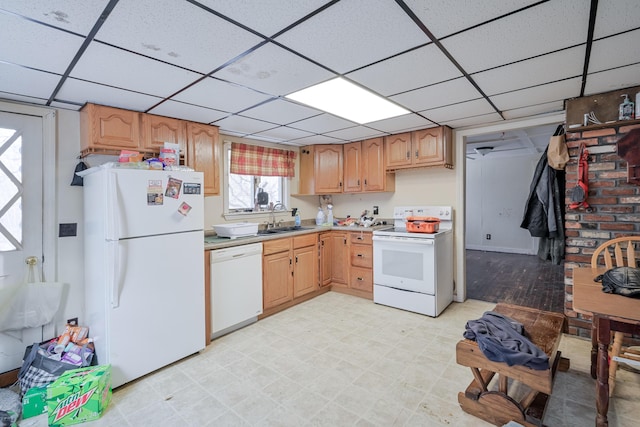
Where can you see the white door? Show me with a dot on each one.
(21, 147)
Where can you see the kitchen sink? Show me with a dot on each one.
(282, 230)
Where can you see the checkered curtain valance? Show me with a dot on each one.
(261, 161)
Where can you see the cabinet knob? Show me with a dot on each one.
(360, 279)
(416, 154)
(408, 155)
(296, 259)
(365, 182)
(360, 238)
(360, 256)
(358, 182)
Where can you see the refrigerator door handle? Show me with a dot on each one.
(114, 273)
(113, 208)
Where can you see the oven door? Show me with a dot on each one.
(404, 263)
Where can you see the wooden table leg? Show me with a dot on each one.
(602, 382)
(594, 347)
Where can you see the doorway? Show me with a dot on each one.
(464, 136)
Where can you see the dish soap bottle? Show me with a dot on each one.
(330, 215)
(627, 110)
(320, 217)
(297, 219)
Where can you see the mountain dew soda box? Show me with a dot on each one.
(79, 395)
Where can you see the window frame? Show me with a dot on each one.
(226, 154)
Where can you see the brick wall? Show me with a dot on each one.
(615, 203)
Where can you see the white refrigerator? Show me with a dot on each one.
(144, 267)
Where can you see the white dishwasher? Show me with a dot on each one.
(236, 287)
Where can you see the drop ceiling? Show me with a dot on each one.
(230, 63)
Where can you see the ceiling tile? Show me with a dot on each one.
(461, 110)
(616, 16)
(81, 91)
(242, 125)
(24, 81)
(473, 121)
(187, 112)
(22, 98)
(317, 139)
(618, 78)
(538, 30)
(355, 133)
(438, 95)
(355, 33)
(400, 123)
(535, 71)
(108, 65)
(274, 70)
(33, 45)
(65, 106)
(538, 95)
(199, 41)
(615, 51)
(322, 123)
(213, 93)
(420, 67)
(280, 112)
(442, 17)
(549, 107)
(265, 16)
(282, 133)
(78, 17)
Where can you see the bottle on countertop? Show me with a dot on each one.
(638, 105)
(330, 214)
(320, 217)
(297, 219)
(627, 109)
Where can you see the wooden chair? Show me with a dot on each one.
(624, 254)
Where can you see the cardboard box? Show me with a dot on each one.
(79, 395)
(34, 402)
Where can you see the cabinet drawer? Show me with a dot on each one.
(305, 240)
(275, 246)
(361, 278)
(361, 238)
(362, 256)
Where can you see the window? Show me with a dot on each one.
(11, 194)
(241, 192)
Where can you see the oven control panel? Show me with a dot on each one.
(441, 212)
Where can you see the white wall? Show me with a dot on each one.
(497, 191)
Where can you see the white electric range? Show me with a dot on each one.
(414, 271)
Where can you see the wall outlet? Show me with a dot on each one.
(488, 236)
(375, 210)
(73, 321)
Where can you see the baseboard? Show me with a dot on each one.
(501, 250)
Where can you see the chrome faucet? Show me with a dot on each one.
(272, 222)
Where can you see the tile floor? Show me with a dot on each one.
(339, 360)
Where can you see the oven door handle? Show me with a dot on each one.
(410, 240)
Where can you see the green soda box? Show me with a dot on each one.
(34, 402)
(79, 395)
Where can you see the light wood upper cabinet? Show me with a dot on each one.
(108, 128)
(203, 154)
(374, 173)
(156, 130)
(352, 167)
(422, 148)
(328, 169)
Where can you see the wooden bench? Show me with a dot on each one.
(500, 406)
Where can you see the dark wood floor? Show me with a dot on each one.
(515, 279)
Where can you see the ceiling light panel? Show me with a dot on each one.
(442, 19)
(21, 38)
(347, 100)
(81, 91)
(77, 17)
(450, 92)
(420, 67)
(107, 65)
(532, 72)
(187, 112)
(532, 32)
(273, 70)
(265, 16)
(352, 34)
(176, 32)
(213, 93)
(280, 112)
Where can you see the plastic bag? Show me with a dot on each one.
(29, 305)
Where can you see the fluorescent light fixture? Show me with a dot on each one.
(347, 100)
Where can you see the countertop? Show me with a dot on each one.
(212, 242)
